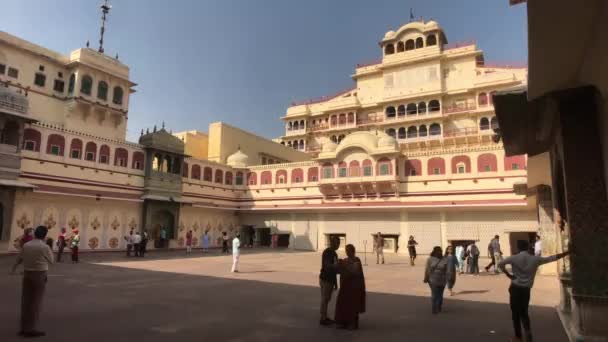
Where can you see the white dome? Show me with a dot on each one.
(237, 159)
(329, 146)
(389, 34)
(386, 140)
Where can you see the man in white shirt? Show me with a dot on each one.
(523, 268)
(236, 251)
(538, 246)
(136, 243)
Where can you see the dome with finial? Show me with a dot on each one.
(329, 146)
(238, 159)
(389, 34)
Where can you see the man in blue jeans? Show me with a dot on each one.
(523, 268)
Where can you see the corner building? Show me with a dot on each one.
(408, 151)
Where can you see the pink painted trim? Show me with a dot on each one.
(94, 193)
(78, 181)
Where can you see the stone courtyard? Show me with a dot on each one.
(171, 296)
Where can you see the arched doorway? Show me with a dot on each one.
(162, 219)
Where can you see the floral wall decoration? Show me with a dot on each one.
(113, 243)
(93, 242)
(73, 223)
(115, 224)
(95, 224)
(50, 222)
(23, 222)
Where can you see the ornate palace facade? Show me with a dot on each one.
(409, 150)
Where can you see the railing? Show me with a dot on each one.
(322, 98)
(503, 65)
(458, 45)
(313, 149)
(369, 121)
(369, 63)
(459, 108)
(460, 132)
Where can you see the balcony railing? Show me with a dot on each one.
(325, 127)
(459, 108)
(321, 98)
(10, 100)
(460, 132)
(295, 131)
(369, 121)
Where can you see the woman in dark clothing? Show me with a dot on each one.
(351, 297)
(411, 248)
(435, 275)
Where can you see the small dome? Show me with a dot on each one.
(329, 146)
(237, 159)
(389, 34)
(431, 24)
(387, 141)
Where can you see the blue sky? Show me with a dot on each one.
(243, 62)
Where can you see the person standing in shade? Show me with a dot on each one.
(205, 240)
(36, 257)
(74, 242)
(460, 254)
(538, 246)
(60, 244)
(473, 252)
(523, 268)
(224, 242)
(435, 274)
(137, 244)
(163, 237)
(144, 243)
(351, 298)
(453, 267)
(328, 277)
(236, 252)
(189, 241)
(411, 248)
(379, 247)
(129, 240)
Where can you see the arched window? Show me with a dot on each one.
(266, 178)
(340, 137)
(389, 49)
(342, 119)
(494, 123)
(90, 151)
(301, 145)
(342, 169)
(431, 40)
(86, 85)
(434, 106)
(196, 172)
(297, 176)
(117, 96)
(328, 171)
(228, 180)
(121, 157)
(353, 169)
(384, 167)
(411, 109)
(71, 84)
(482, 99)
(412, 132)
(281, 177)
(238, 180)
(55, 145)
(419, 43)
(487, 163)
(391, 132)
(76, 148)
(104, 154)
(436, 166)
(252, 178)
(296, 126)
(401, 110)
(294, 145)
(421, 108)
(184, 169)
(176, 166)
(302, 124)
(367, 168)
(410, 45)
(289, 126)
(313, 174)
(283, 143)
(515, 163)
(264, 158)
(102, 90)
(461, 164)
(484, 124)
(390, 112)
(31, 139)
(422, 131)
(138, 161)
(400, 47)
(207, 174)
(334, 139)
(401, 133)
(334, 120)
(219, 176)
(413, 167)
(167, 164)
(435, 129)
(351, 118)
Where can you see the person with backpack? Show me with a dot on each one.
(435, 274)
(473, 253)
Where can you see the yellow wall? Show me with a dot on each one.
(196, 143)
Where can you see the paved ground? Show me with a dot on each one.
(173, 297)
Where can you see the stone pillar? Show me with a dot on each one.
(547, 229)
(404, 232)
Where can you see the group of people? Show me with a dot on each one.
(379, 244)
(63, 240)
(137, 243)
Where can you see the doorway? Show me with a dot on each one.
(517, 236)
(340, 236)
(263, 236)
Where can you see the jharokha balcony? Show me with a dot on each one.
(359, 185)
(459, 108)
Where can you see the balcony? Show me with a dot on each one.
(460, 132)
(13, 102)
(327, 127)
(413, 117)
(358, 185)
(369, 121)
(434, 137)
(459, 108)
(295, 132)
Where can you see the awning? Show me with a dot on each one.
(16, 184)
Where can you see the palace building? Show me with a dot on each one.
(410, 149)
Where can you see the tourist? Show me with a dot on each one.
(460, 254)
(144, 243)
(129, 239)
(473, 253)
(411, 248)
(328, 277)
(60, 244)
(236, 251)
(205, 240)
(224, 242)
(523, 268)
(351, 297)
(49, 242)
(495, 253)
(74, 242)
(36, 257)
(189, 241)
(379, 247)
(28, 235)
(136, 244)
(453, 266)
(163, 237)
(435, 275)
(538, 246)
(251, 236)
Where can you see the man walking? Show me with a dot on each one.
(129, 239)
(236, 251)
(523, 268)
(495, 253)
(137, 244)
(328, 277)
(144, 244)
(379, 247)
(61, 244)
(538, 246)
(36, 257)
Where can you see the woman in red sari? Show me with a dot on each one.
(351, 298)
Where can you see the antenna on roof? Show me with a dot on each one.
(411, 14)
(105, 9)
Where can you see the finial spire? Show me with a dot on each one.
(142, 132)
(87, 43)
(105, 9)
(411, 14)
(163, 125)
(147, 131)
(154, 128)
